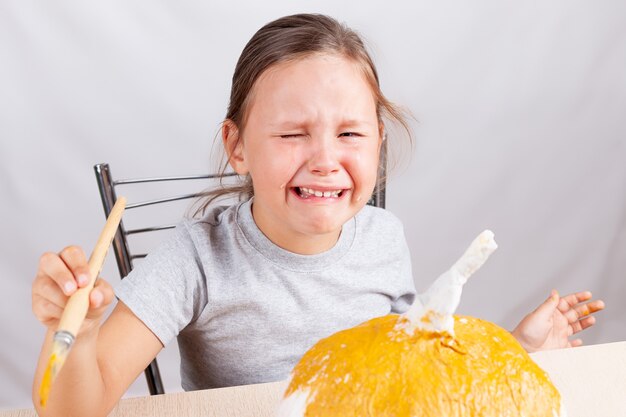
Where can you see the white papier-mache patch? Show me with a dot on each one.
(434, 309)
(293, 405)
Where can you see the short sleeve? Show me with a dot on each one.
(167, 289)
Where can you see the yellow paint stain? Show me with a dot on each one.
(378, 369)
(46, 382)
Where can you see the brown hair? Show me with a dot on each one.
(287, 39)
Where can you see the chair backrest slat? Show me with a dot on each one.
(173, 178)
(162, 200)
(149, 229)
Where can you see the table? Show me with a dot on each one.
(592, 381)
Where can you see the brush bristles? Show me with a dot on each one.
(60, 349)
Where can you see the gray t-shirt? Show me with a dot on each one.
(246, 310)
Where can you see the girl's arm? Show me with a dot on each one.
(104, 360)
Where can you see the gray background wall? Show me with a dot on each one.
(520, 110)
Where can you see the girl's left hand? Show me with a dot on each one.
(554, 321)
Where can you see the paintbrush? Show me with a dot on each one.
(78, 304)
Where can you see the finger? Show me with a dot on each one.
(587, 322)
(44, 287)
(581, 325)
(100, 297)
(51, 265)
(589, 308)
(45, 311)
(575, 298)
(76, 261)
(597, 306)
(547, 307)
(576, 343)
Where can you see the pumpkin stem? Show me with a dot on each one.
(434, 309)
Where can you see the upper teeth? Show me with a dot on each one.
(318, 193)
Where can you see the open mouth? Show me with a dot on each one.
(305, 193)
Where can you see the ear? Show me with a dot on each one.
(233, 145)
(382, 134)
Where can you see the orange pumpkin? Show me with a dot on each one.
(426, 362)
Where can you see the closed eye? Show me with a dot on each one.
(293, 135)
(350, 135)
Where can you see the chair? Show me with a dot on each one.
(125, 257)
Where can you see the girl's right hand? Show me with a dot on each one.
(58, 277)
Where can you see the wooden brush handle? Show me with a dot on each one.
(78, 304)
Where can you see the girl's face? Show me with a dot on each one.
(311, 145)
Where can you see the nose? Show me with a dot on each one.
(324, 158)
